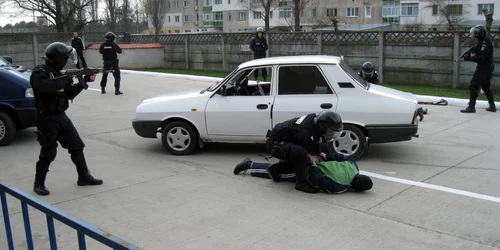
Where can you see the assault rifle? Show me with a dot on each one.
(82, 72)
(466, 53)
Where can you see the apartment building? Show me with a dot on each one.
(426, 14)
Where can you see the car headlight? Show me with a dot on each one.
(29, 93)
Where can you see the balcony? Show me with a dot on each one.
(213, 23)
(393, 19)
(207, 8)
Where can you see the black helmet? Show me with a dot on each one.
(367, 69)
(479, 31)
(59, 53)
(110, 36)
(329, 124)
(361, 183)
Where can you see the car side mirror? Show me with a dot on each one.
(222, 90)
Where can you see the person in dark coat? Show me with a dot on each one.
(259, 48)
(79, 47)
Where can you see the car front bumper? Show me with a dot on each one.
(391, 133)
(27, 117)
(146, 129)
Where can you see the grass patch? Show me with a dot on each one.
(415, 88)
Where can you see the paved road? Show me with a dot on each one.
(159, 201)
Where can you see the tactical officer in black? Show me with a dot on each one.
(109, 50)
(259, 48)
(295, 142)
(52, 92)
(484, 69)
(369, 73)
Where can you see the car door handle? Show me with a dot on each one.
(262, 106)
(326, 106)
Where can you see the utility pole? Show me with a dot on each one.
(137, 16)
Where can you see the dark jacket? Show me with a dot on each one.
(299, 131)
(259, 46)
(52, 90)
(109, 51)
(77, 44)
(483, 55)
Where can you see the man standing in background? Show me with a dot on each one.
(259, 48)
(77, 44)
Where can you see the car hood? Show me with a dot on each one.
(393, 93)
(178, 95)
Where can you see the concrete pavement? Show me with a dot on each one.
(159, 201)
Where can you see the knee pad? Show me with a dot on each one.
(48, 155)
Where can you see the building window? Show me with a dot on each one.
(197, 17)
(257, 15)
(218, 16)
(177, 19)
(186, 19)
(217, 1)
(331, 12)
(390, 10)
(352, 12)
(186, 3)
(489, 7)
(176, 4)
(242, 15)
(434, 10)
(368, 11)
(207, 3)
(409, 9)
(286, 12)
(207, 17)
(169, 20)
(229, 16)
(454, 9)
(195, 2)
(313, 12)
(271, 14)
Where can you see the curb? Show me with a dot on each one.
(421, 98)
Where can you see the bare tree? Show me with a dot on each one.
(268, 6)
(112, 6)
(451, 12)
(156, 10)
(489, 19)
(64, 14)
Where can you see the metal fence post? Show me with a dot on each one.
(6, 220)
(456, 55)
(320, 43)
(224, 63)
(186, 48)
(381, 38)
(35, 50)
(27, 226)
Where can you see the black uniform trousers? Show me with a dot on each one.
(53, 129)
(481, 79)
(108, 65)
(294, 157)
(264, 70)
(81, 58)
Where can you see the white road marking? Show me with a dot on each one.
(431, 186)
(94, 89)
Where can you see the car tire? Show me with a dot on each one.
(7, 129)
(179, 138)
(351, 142)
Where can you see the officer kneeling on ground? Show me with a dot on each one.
(295, 141)
(369, 73)
(336, 174)
(52, 92)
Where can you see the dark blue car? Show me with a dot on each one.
(17, 104)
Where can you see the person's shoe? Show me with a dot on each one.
(40, 189)
(88, 180)
(242, 166)
(306, 188)
(103, 91)
(468, 110)
(273, 172)
(420, 112)
(118, 92)
(492, 109)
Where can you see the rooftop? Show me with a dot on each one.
(321, 59)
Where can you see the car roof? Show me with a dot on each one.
(319, 59)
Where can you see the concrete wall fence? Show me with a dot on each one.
(399, 56)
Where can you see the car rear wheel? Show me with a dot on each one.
(7, 129)
(179, 138)
(351, 142)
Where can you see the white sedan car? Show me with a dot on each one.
(243, 106)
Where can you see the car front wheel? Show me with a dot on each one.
(179, 138)
(351, 142)
(7, 129)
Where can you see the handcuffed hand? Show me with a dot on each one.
(322, 156)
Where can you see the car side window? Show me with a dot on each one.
(300, 80)
(250, 82)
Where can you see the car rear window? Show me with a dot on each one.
(354, 75)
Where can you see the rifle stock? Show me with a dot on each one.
(83, 72)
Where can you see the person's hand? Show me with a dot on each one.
(322, 156)
(90, 78)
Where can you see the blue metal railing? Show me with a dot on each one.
(52, 213)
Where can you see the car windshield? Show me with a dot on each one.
(354, 75)
(214, 86)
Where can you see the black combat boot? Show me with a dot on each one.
(469, 109)
(242, 166)
(40, 189)
(492, 107)
(118, 92)
(103, 90)
(84, 176)
(87, 179)
(41, 174)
